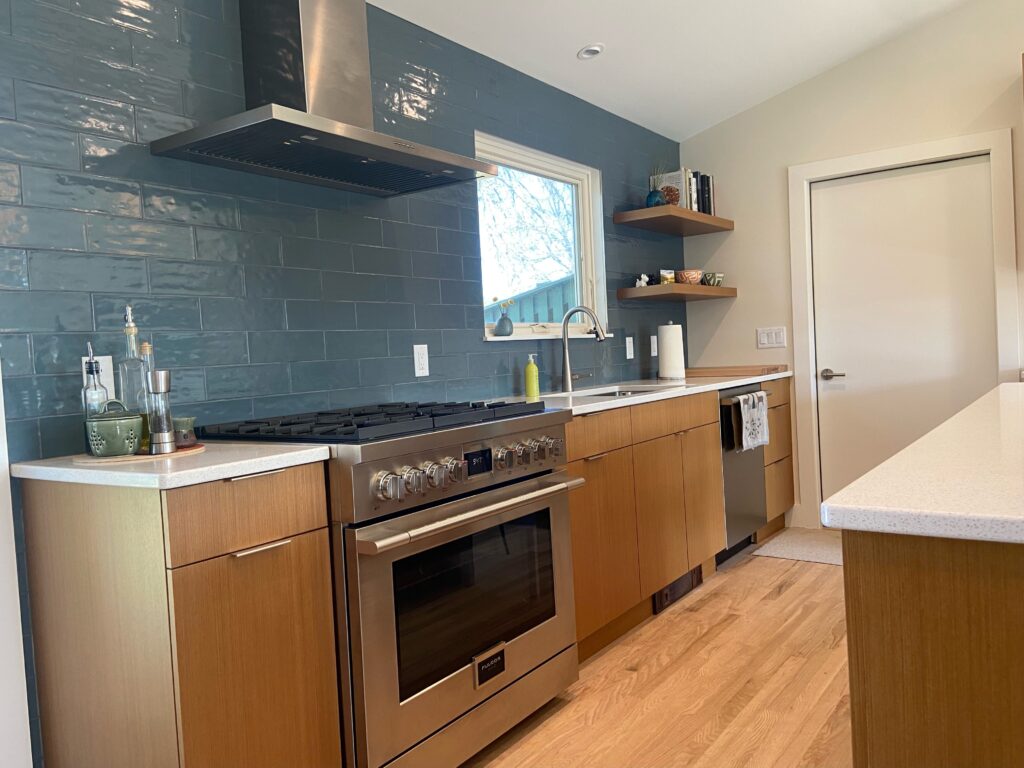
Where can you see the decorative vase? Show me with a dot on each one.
(655, 197)
(504, 325)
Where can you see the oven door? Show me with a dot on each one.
(451, 604)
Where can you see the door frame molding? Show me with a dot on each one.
(997, 146)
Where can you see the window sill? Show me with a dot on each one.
(545, 336)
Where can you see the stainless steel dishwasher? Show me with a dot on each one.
(746, 508)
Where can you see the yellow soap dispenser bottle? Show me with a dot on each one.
(532, 378)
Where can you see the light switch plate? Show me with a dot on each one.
(654, 346)
(771, 338)
(421, 359)
(629, 347)
(106, 372)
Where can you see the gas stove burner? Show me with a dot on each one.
(369, 422)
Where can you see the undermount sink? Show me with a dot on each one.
(621, 391)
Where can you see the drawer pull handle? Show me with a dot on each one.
(595, 458)
(257, 474)
(264, 548)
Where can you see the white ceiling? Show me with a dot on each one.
(674, 66)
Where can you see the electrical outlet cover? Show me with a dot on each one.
(421, 359)
(629, 347)
(654, 346)
(771, 338)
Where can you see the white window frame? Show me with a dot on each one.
(591, 274)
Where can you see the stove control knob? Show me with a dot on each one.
(388, 486)
(538, 448)
(523, 453)
(415, 480)
(504, 458)
(436, 474)
(553, 444)
(456, 469)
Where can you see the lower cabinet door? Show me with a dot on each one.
(606, 575)
(254, 658)
(705, 493)
(778, 485)
(660, 512)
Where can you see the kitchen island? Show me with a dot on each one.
(933, 550)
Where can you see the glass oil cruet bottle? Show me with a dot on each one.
(94, 394)
(133, 375)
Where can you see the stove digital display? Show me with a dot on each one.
(479, 462)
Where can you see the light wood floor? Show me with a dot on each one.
(748, 670)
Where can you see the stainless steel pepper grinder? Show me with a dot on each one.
(161, 427)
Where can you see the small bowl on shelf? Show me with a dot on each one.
(713, 279)
(689, 276)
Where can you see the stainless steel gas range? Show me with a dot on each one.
(453, 571)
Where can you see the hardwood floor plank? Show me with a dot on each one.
(748, 671)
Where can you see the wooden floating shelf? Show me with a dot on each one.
(677, 292)
(674, 220)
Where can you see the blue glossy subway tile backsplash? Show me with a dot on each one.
(266, 296)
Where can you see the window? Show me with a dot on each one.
(541, 239)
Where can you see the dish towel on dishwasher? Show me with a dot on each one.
(753, 420)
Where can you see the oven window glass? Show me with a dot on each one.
(459, 599)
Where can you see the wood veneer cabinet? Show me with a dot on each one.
(660, 512)
(606, 572)
(223, 662)
(778, 456)
(704, 492)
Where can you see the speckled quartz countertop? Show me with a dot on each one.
(217, 462)
(589, 399)
(962, 480)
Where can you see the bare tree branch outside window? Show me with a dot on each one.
(528, 233)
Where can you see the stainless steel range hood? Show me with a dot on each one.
(309, 107)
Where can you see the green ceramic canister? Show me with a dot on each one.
(113, 432)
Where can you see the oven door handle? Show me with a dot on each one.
(400, 539)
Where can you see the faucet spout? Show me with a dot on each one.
(597, 331)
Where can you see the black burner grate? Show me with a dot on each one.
(367, 423)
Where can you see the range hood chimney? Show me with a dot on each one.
(309, 109)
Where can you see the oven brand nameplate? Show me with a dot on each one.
(489, 665)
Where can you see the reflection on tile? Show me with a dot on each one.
(41, 228)
(324, 375)
(63, 352)
(189, 207)
(187, 350)
(40, 104)
(285, 346)
(28, 397)
(195, 278)
(79, 192)
(152, 313)
(139, 238)
(141, 16)
(25, 143)
(57, 28)
(321, 315)
(246, 380)
(223, 314)
(112, 157)
(151, 124)
(53, 271)
(244, 247)
(13, 268)
(14, 354)
(166, 59)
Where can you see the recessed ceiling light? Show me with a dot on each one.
(590, 51)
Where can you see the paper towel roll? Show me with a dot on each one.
(671, 358)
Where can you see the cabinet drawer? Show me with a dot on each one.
(778, 392)
(667, 417)
(781, 439)
(778, 485)
(211, 519)
(597, 433)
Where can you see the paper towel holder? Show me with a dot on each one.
(671, 353)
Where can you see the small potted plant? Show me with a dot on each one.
(504, 325)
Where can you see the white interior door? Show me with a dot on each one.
(904, 306)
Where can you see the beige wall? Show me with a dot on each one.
(956, 75)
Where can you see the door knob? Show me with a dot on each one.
(828, 374)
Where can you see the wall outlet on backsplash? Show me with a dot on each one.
(654, 346)
(106, 372)
(421, 359)
(629, 347)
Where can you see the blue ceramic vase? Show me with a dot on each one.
(655, 197)
(504, 325)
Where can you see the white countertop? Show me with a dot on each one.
(962, 480)
(217, 462)
(580, 402)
